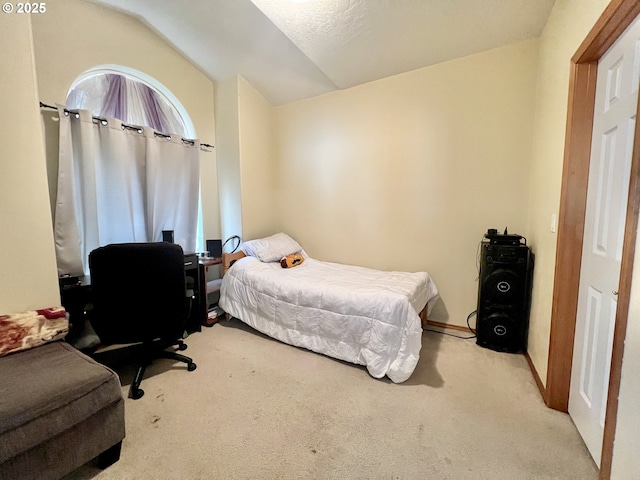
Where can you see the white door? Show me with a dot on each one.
(609, 170)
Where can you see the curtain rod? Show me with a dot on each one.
(131, 127)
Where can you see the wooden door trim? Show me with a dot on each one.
(573, 199)
(614, 20)
(612, 23)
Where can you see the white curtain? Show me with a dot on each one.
(173, 189)
(120, 184)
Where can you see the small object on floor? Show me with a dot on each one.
(214, 315)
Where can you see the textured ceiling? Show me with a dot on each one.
(294, 49)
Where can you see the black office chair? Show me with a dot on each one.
(139, 296)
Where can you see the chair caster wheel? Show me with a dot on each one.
(191, 367)
(182, 346)
(137, 394)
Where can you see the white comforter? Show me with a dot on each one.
(363, 316)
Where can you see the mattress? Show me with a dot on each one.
(359, 315)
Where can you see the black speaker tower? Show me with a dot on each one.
(504, 293)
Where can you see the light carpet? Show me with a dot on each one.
(259, 409)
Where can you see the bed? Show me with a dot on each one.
(359, 315)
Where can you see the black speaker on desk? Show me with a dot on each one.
(504, 296)
(167, 236)
(214, 247)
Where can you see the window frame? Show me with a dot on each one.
(159, 88)
(141, 77)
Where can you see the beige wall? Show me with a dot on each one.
(568, 25)
(244, 122)
(74, 36)
(228, 154)
(29, 277)
(256, 161)
(408, 172)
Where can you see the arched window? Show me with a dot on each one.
(130, 96)
(135, 99)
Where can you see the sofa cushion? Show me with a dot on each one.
(47, 390)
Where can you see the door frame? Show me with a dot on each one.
(617, 16)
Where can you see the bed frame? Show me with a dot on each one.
(229, 258)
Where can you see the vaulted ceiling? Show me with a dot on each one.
(294, 49)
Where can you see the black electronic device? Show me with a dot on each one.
(214, 247)
(504, 294)
(167, 236)
(66, 280)
(505, 238)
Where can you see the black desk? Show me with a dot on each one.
(75, 295)
(198, 313)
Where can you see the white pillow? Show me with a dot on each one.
(271, 249)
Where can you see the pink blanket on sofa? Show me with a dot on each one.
(20, 331)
